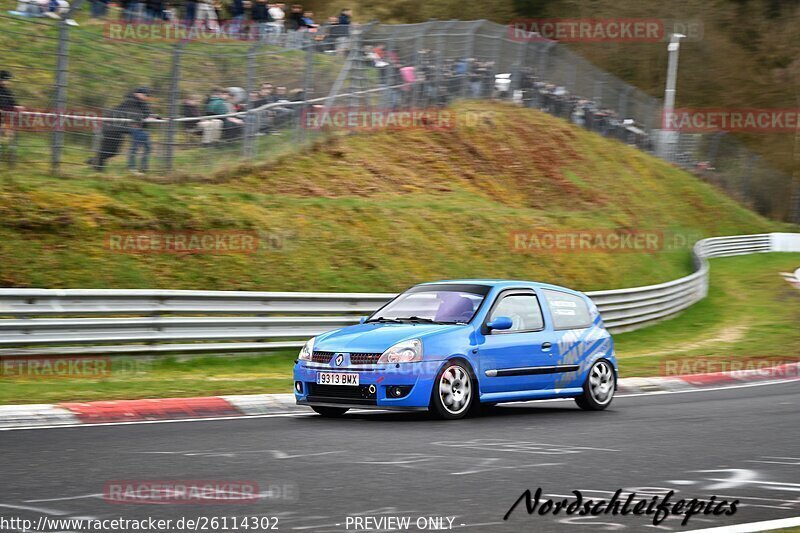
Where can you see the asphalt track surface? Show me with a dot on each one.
(738, 443)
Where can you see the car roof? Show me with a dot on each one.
(503, 284)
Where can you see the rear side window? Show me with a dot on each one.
(568, 311)
(523, 310)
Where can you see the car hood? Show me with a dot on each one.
(376, 338)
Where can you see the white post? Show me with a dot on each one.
(669, 137)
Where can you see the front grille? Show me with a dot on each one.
(355, 358)
(341, 394)
(322, 357)
(364, 358)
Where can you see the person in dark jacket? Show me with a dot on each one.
(7, 102)
(155, 10)
(295, 19)
(259, 13)
(345, 17)
(8, 106)
(127, 118)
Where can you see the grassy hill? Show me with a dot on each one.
(373, 212)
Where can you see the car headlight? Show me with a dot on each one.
(307, 351)
(403, 352)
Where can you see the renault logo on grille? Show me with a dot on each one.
(339, 359)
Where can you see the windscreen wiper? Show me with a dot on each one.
(383, 319)
(421, 319)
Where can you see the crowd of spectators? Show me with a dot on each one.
(225, 115)
(237, 19)
(55, 9)
(424, 79)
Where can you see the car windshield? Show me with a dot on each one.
(435, 304)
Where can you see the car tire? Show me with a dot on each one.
(599, 387)
(454, 391)
(329, 412)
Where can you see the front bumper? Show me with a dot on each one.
(415, 378)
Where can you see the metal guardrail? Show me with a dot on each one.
(86, 321)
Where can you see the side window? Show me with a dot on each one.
(523, 310)
(569, 311)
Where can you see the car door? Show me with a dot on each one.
(516, 359)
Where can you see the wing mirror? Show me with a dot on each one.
(362, 319)
(500, 323)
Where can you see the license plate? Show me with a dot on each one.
(337, 378)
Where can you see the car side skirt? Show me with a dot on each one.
(525, 395)
(531, 370)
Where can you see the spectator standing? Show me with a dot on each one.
(307, 21)
(98, 8)
(8, 106)
(295, 19)
(277, 14)
(190, 13)
(259, 13)
(345, 17)
(154, 10)
(140, 137)
(130, 115)
(207, 15)
(237, 16)
(7, 101)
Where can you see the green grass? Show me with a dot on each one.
(750, 312)
(160, 378)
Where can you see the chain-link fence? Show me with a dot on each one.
(218, 102)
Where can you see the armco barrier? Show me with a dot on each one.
(78, 321)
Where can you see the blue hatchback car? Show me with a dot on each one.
(451, 346)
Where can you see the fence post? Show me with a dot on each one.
(794, 196)
(519, 66)
(469, 50)
(250, 121)
(599, 85)
(544, 60)
(419, 88)
(60, 100)
(307, 88)
(440, 47)
(623, 101)
(174, 96)
(572, 84)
